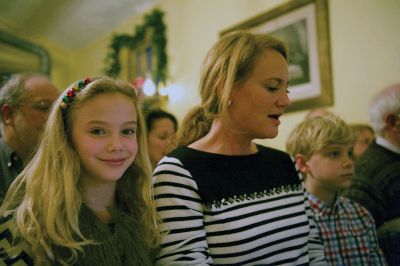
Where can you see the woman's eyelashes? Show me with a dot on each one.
(276, 88)
(163, 136)
(272, 89)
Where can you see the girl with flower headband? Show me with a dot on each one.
(85, 198)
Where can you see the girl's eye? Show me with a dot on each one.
(128, 131)
(97, 131)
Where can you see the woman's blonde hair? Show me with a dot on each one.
(229, 62)
(45, 198)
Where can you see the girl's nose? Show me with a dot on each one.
(115, 143)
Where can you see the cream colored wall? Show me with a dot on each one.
(90, 60)
(365, 48)
(365, 43)
(364, 40)
(61, 63)
(192, 27)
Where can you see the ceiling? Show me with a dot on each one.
(71, 24)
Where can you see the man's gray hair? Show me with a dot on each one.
(13, 90)
(385, 102)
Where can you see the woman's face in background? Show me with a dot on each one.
(161, 136)
(364, 138)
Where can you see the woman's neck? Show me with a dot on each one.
(221, 139)
(99, 198)
(153, 164)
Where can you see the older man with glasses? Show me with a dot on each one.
(25, 100)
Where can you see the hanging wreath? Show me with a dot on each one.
(153, 21)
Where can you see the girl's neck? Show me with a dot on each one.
(99, 199)
(221, 139)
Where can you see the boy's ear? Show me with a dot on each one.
(301, 163)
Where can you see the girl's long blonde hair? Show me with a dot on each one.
(229, 62)
(45, 198)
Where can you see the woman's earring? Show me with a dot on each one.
(229, 103)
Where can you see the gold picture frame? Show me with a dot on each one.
(304, 26)
(20, 55)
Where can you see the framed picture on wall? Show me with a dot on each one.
(19, 55)
(304, 26)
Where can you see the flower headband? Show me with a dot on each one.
(70, 94)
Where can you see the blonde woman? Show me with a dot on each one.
(85, 198)
(223, 199)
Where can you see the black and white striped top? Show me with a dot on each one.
(234, 210)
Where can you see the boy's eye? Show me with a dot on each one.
(128, 131)
(351, 154)
(97, 131)
(334, 154)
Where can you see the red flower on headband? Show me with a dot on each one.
(71, 93)
(138, 82)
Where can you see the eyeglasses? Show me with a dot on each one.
(42, 106)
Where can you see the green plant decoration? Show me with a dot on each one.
(152, 22)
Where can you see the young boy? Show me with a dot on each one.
(322, 149)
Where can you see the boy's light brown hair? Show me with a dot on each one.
(316, 133)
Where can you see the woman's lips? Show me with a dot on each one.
(275, 119)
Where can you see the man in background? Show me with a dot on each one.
(25, 100)
(376, 184)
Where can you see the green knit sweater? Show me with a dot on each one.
(119, 243)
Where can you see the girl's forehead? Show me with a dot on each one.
(106, 105)
(108, 97)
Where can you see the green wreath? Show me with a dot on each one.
(153, 21)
